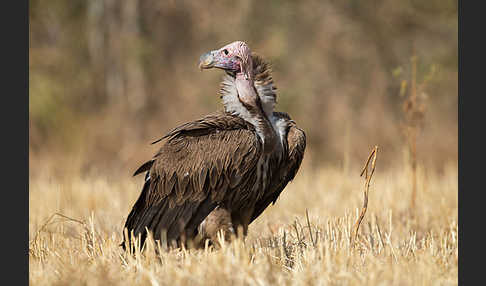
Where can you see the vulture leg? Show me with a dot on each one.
(218, 219)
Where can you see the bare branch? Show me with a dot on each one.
(367, 187)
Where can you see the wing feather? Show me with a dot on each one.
(193, 172)
(296, 141)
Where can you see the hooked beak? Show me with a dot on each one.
(215, 59)
(206, 61)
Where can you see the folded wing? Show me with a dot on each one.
(203, 164)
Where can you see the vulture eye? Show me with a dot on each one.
(225, 51)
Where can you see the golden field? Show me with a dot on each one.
(396, 245)
(107, 77)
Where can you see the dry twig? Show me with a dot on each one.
(49, 221)
(367, 187)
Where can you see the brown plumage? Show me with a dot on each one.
(203, 164)
(220, 172)
(284, 170)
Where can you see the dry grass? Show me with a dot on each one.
(393, 247)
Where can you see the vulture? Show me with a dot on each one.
(222, 171)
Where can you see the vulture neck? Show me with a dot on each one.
(249, 107)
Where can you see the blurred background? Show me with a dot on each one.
(108, 77)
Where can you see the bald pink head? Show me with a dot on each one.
(234, 57)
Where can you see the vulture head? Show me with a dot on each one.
(233, 58)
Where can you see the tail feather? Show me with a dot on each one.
(177, 222)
